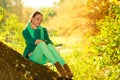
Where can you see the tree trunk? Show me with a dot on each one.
(14, 66)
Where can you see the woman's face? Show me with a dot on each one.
(37, 20)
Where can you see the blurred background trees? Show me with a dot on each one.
(90, 28)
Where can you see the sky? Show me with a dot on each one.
(38, 3)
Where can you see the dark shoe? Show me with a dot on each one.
(68, 71)
(68, 79)
(60, 69)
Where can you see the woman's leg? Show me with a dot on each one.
(42, 50)
(60, 59)
(56, 54)
(42, 53)
(38, 56)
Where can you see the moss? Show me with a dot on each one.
(15, 67)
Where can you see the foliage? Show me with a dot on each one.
(98, 9)
(11, 32)
(27, 11)
(81, 66)
(1, 13)
(100, 61)
(78, 16)
(69, 17)
(12, 6)
(106, 46)
(47, 12)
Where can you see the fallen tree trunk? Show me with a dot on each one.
(15, 67)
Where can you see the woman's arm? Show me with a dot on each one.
(46, 36)
(28, 37)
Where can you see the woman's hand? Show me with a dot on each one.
(38, 41)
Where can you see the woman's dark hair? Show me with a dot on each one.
(36, 13)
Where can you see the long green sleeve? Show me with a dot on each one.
(28, 38)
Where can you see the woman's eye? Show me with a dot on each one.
(38, 19)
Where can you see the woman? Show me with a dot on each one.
(39, 47)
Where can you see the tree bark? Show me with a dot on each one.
(14, 66)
